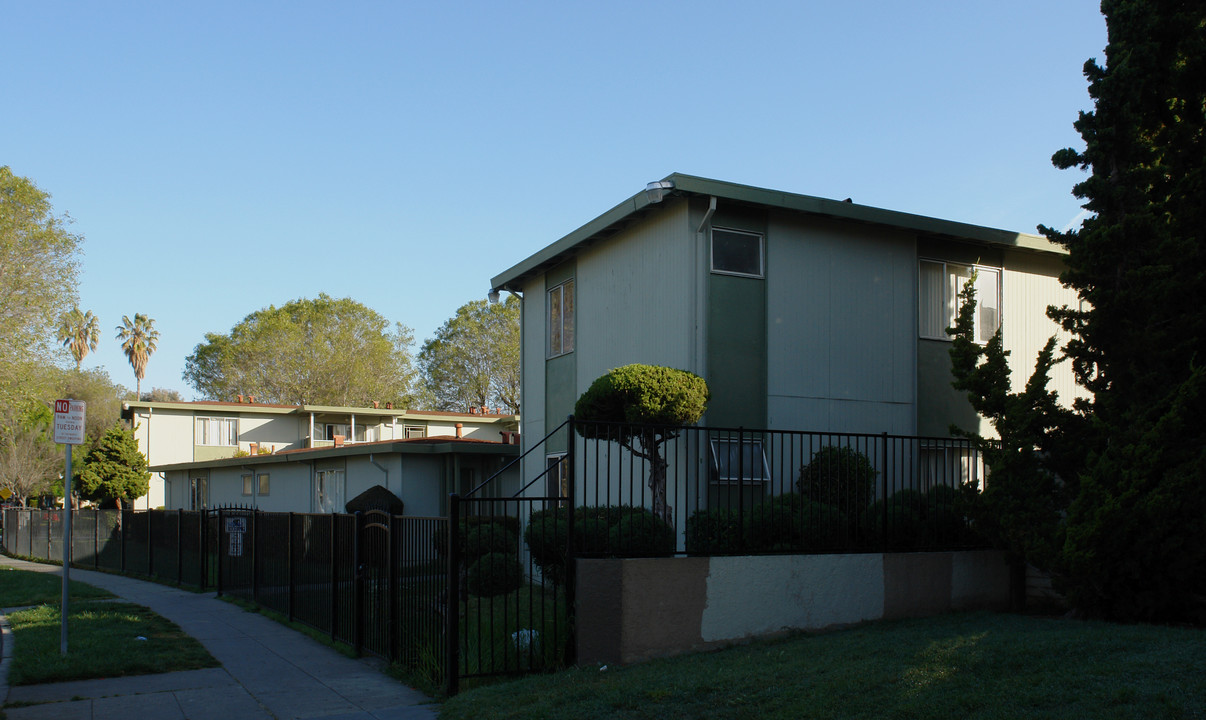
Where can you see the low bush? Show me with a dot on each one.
(916, 520)
(495, 573)
(439, 538)
(599, 531)
(839, 476)
(794, 523)
(713, 532)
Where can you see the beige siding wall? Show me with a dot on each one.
(1029, 284)
(633, 298)
(842, 311)
(532, 421)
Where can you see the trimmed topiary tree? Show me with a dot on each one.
(640, 407)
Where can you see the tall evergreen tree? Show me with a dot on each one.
(115, 469)
(1134, 547)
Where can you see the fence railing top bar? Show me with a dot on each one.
(751, 431)
(513, 461)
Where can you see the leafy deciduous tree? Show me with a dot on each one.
(641, 407)
(80, 333)
(38, 266)
(473, 360)
(29, 459)
(138, 341)
(307, 352)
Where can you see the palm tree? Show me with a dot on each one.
(79, 332)
(138, 340)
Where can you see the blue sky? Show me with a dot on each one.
(220, 157)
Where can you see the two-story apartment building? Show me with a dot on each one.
(191, 433)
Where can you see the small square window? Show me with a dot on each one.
(263, 484)
(736, 253)
(732, 465)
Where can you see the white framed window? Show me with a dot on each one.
(248, 487)
(737, 253)
(333, 429)
(940, 284)
(328, 491)
(561, 319)
(556, 475)
(198, 492)
(367, 433)
(413, 431)
(743, 462)
(217, 431)
(951, 466)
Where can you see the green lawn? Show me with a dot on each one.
(103, 638)
(956, 666)
(22, 587)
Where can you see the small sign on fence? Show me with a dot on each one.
(236, 525)
(236, 545)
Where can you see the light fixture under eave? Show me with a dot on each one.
(493, 296)
(655, 191)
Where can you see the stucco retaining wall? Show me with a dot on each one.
(631, 610)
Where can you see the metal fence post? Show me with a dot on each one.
(884, 466)
(391, 593)
(357, 586)
(121, 534)
(571, 564)
(452, 607)
(150, 545)
(334, 578)
(289, 566)
(179, 545)
(255, 555)
(218, 553)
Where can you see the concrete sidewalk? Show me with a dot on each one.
(268, 670)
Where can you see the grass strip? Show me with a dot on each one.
(104, 640)
(19, 588)
(980, 666)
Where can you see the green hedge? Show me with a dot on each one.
(609, 530)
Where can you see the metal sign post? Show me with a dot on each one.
(68, 430)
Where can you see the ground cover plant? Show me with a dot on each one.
(976, 665)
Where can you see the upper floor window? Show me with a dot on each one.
(217, 431)
(561, 319)
(414, 431)
(737, 253)
(940, 284)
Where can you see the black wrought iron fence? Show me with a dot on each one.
(373, 581)
(721, 491)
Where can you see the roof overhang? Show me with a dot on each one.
(418, 446)
(636, 207)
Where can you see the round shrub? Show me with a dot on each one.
(641, 534)
(839, 476)
(713, 532)
(546, 536)
(494, 574)
(494, 537)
